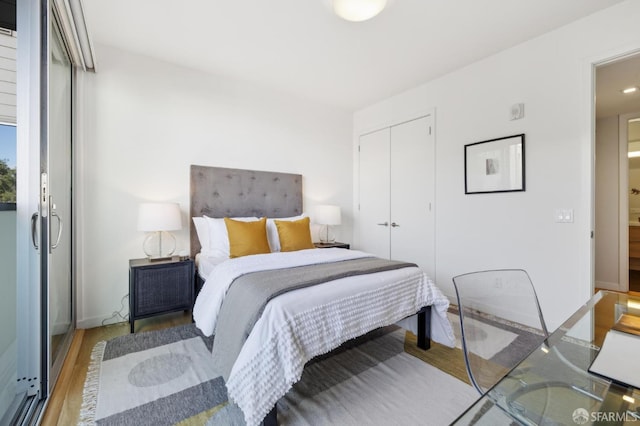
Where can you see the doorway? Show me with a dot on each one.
(617, 207)
(630, 141)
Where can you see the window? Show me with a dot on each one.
(7, 167)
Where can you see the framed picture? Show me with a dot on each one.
(496, 165)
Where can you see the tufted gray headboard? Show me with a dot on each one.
(222, 192)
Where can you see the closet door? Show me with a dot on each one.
(373, 225)
(412, 193)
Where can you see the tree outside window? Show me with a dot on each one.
(7, 167)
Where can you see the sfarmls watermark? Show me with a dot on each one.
(581, 416)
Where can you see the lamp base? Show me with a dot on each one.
(159, 245)
(326, 236)
(157, 259)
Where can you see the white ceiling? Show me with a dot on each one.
(300, 47)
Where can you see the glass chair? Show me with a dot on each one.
(501, 323)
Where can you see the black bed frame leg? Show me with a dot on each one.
(272, 418)
(424, 328)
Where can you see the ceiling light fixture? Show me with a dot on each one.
(629, 90)
(358, 10)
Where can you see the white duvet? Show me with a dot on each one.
(301, 324)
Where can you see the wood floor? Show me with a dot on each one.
(63, 408)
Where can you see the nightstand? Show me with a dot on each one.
(159, 287)
(331, 245)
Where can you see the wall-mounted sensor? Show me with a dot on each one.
(517, 111)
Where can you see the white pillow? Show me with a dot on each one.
(202, 230)
(272, 231)
(218, 236)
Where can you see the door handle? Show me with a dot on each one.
(394, 225)
(34, 230)
(383, 224)
(54, 214)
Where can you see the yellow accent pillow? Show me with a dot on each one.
(247, 238)
(294, 234)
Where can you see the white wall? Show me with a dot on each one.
(145, 121)
(552, 76)
(607, 203)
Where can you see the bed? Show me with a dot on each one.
(263, 340)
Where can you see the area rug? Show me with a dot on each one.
(165, 378)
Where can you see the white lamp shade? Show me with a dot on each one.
(159, 217)
(328, 215)
(358, 10)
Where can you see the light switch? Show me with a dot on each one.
(564, 215)
(559, 216)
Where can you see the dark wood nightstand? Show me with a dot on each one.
(159, 287)
(331, 245)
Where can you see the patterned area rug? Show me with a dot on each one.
(165, 378)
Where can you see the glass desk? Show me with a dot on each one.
(552, 386)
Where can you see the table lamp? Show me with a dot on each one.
(159, 219)
(327, 216)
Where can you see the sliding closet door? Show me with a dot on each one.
(373, 223)
(57, 219)
(412, 193)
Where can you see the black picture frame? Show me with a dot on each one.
(495, 165)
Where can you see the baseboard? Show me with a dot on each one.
(96, 322)
(607, 286)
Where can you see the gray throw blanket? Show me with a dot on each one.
(248, 295)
